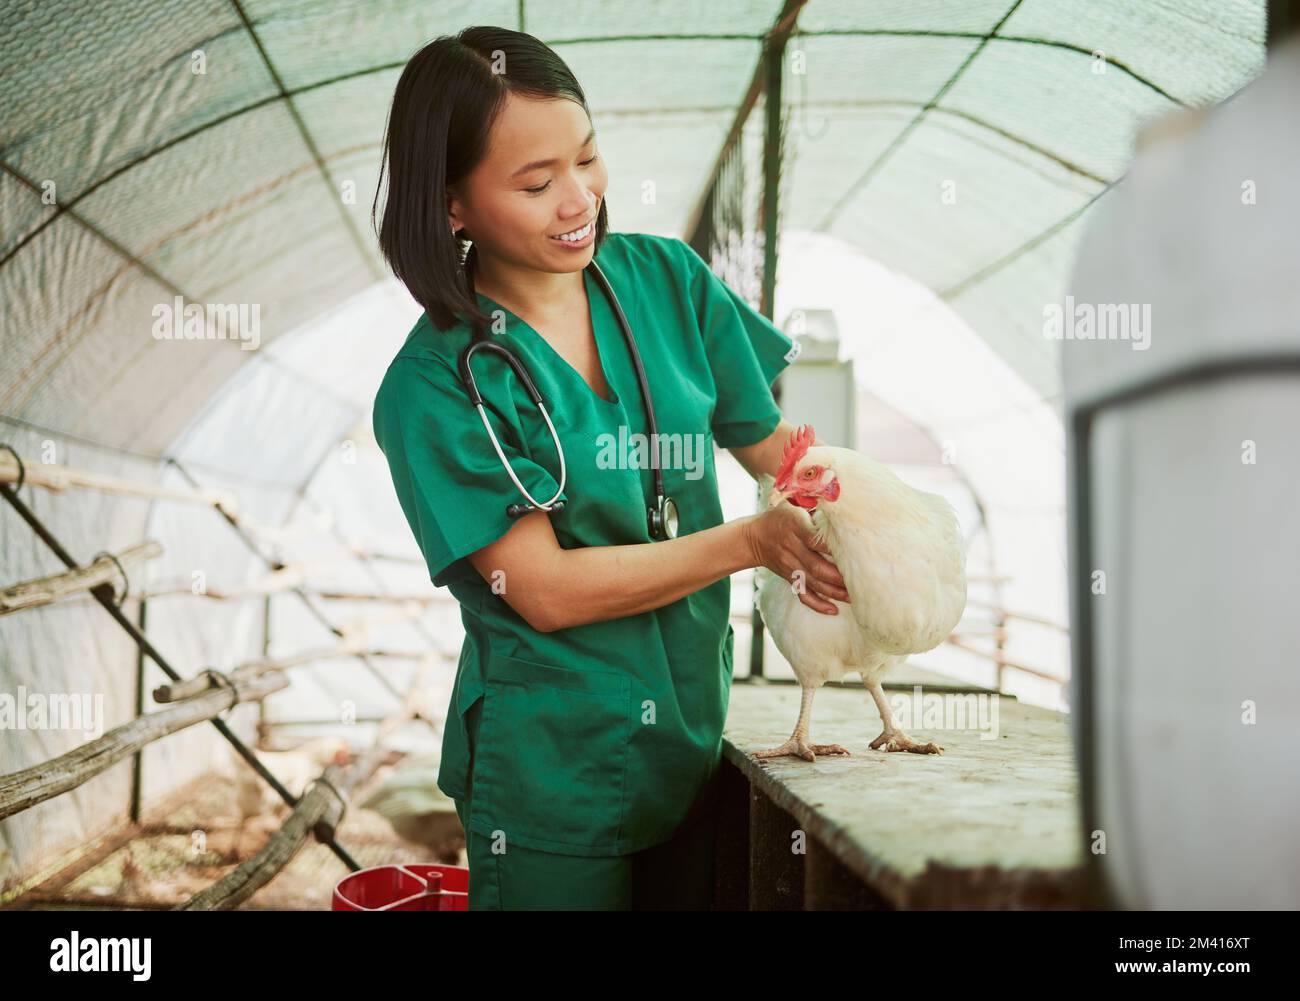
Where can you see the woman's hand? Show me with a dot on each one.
(783, 540)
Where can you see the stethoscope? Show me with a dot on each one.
(661, 517)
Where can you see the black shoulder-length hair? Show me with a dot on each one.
(447, 98)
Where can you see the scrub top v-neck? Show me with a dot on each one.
(593, 293)
(595, 739)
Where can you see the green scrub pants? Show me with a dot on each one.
(674, 875)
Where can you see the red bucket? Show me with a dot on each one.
(407, 887)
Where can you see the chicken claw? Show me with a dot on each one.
(897, 740)
(800, 749)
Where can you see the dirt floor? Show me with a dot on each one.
(193, 839)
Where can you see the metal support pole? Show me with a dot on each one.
(137, 759)
(774, 61)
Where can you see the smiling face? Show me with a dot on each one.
(541, 177)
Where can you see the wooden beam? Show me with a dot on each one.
(47, 590)
(777, 35)
(318, 811)
(178, 691)
(30, 786)
(55, 477)
(1022, 616)
(319, 807)
(1001, 661)
(253, 669)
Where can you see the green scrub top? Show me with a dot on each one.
(596, 739)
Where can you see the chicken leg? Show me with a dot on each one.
(797, 745)
(893, 738)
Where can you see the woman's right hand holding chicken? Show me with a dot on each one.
(782, 538)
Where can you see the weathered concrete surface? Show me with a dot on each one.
(990, 823)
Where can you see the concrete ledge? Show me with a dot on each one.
(989, 824)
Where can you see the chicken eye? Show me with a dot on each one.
(808, 474)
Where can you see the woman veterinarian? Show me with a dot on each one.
(585, 726)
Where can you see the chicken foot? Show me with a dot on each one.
(797, 745)
(892, 738)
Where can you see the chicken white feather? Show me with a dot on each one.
(901, 555)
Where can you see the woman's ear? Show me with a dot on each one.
(453, 212)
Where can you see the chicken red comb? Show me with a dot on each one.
(795, 449)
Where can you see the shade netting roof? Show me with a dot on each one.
(228, 153)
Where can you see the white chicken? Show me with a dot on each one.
(901, 555)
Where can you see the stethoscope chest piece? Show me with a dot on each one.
(663, 519)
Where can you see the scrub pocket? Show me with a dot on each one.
(551, 757)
